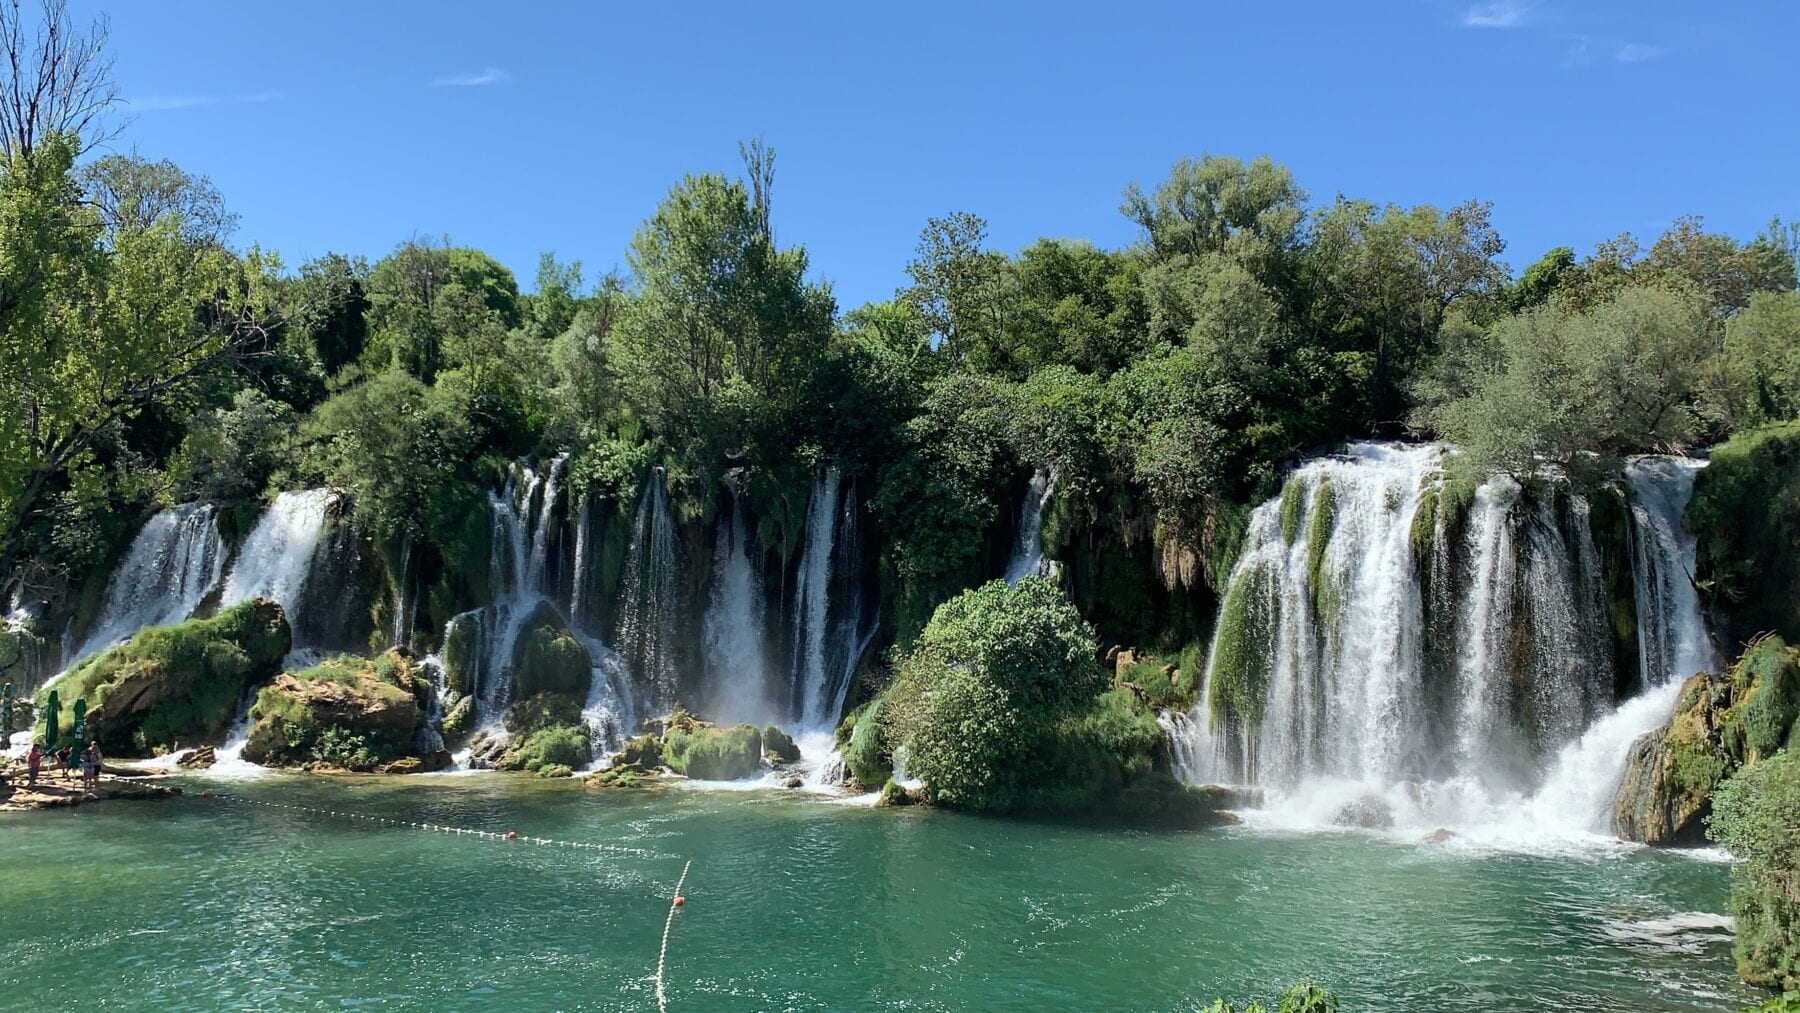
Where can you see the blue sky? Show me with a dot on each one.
(526, 127)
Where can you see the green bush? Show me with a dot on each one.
(1305, 997)
(1745, 513)
(1769, 676)
(567, 746)
(866, 753)
(1753, 816)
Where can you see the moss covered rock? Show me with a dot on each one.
(706, 752)
(355, 713)
(548, 659)
(1721, 723)
(779, 746)
(175, 684)
(546, 731)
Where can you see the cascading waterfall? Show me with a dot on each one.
(174, 562)
(1028, 548)
(650, 597)
(737, 666)
(830, 632)
(277, 558)
(1459, 672)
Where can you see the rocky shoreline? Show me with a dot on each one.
(56, 792)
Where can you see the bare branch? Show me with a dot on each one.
(58, 81)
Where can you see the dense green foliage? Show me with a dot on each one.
(1753, 815)
(1746, 514)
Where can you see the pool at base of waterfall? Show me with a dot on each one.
(243, 900)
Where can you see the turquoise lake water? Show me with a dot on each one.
(798, 902)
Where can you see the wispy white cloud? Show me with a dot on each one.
(1638, 52)
(1580, 51)
(152, 103)
(486, 75)
(1498, 14)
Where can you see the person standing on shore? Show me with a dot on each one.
(90, 767)
(33, 760)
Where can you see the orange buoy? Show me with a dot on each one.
(680, 900)
(512, 835)
(206, 794)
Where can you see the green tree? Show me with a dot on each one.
(959, 291)
(1621, 377)
(1762, 359)
(328, 309)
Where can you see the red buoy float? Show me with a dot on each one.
(206, 794)
(512, 835)
(680, 900)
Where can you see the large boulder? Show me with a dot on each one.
(548, 658)
(779, 746)
(706, 752)
(545, 735)
(1721, 723)
(174, 684)
(348, 712)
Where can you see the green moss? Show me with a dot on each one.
(1327, 588)
(1745, 514)
(1293, 503)
(564, 746)
(1243, 648)
(779, 745)
(550, 660)
(177, 683)
(708, 753)
(461, 645)
(348, 712)
(1767, 678)
(1163, 690)
(866, 753)
(544, 710)
(1423, 534)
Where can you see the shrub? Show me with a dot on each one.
(1753, 816)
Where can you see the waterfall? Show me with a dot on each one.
(1672, 640)
(1373, 641)
(737, 667)
(650, 597)
(1028, 548)
(277, 557)
(174, 562)
(830, 630)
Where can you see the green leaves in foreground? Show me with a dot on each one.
(1305, 997)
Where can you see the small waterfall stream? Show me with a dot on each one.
(276, 558)
(173, 563)
(650, 599)
(737, 664)
(830, 630)
(1028, 547)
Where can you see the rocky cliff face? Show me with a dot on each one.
(1720, 723)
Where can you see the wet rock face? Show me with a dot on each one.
(1370, 812)
(1670, 773)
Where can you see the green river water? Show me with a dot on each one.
(797, 902)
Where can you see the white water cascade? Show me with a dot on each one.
(1451, 667)
(830, 632)
(276, 558)
(737, 665)
(174, 562)
(1028, 547)
(650, 598)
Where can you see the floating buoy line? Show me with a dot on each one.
(510, 835)
(675, 902)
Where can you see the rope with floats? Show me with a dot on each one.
(510, 835)
(662, 1000)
